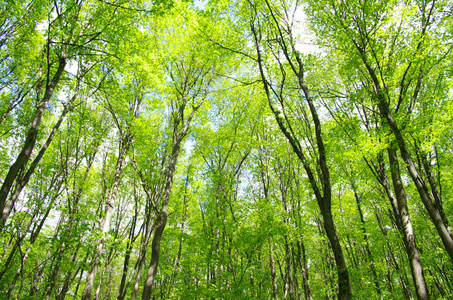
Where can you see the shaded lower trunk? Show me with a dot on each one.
(141, 259)
(130, 241)
(161, 220)
(272, 265)
(303, 263)
(110, 201)
(344, 292)
(160, 226)
(367, 244)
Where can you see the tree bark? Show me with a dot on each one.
(322, 190)
(109, 203)
(408, 233)
(30, 141)
(181, 124)
(22, 181)
(272, 265)
(131, 239)
(433, 212)
(367, 243)
(161, 220)
(303, 263)
(181, 239)
(143, 246)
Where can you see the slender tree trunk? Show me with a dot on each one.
(22, 181)
(130, 241)
(110, 201)
(20, 96)
(272, 265)
(303, 263)
(34, 232)
(328, 260)
(69, 277)
(392, 263)
(161, 220)
(143, 246)
(181, 239)
(264, 163)
(181, 123)
(84, 262)
(367, 243)
(301, 253)
(435, 191)
(11, 256)
(101, 280)
(409, 236)
(148, 227)
(325, 202)
(295, 270)
(322, 190)
(30, 141)
(55, 270)
(283, 186)
(289, 287)
(343, 276)
(18, 273)
(435, 215)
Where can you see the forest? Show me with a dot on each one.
(247, 149)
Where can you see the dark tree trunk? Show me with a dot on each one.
(30, 141)
(161, 220)
(322, 188)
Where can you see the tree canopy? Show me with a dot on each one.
(256, 149)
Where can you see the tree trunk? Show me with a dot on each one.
(181, 239)
(322, 190)
(141, 258)
(303, 263)
(367, 243)
(22, 181)
(435, 215)
(408, 233)
(148, 227)
(130, 241)
(433, 212)
(110, 201)
(18, 273)
(392, 259)
(161, 220)
(272, 265)
(30, 141)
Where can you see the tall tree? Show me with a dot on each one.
(277, 37)
(397, 78)
(74, 34)
(191, 75)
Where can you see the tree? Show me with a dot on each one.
(71, 37)
(281, 40)
(191, 75)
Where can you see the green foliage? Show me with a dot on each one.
(142, 68)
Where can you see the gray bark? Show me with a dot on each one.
(433, 212)
(408, 232)
(161, 220)
(109, 203)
